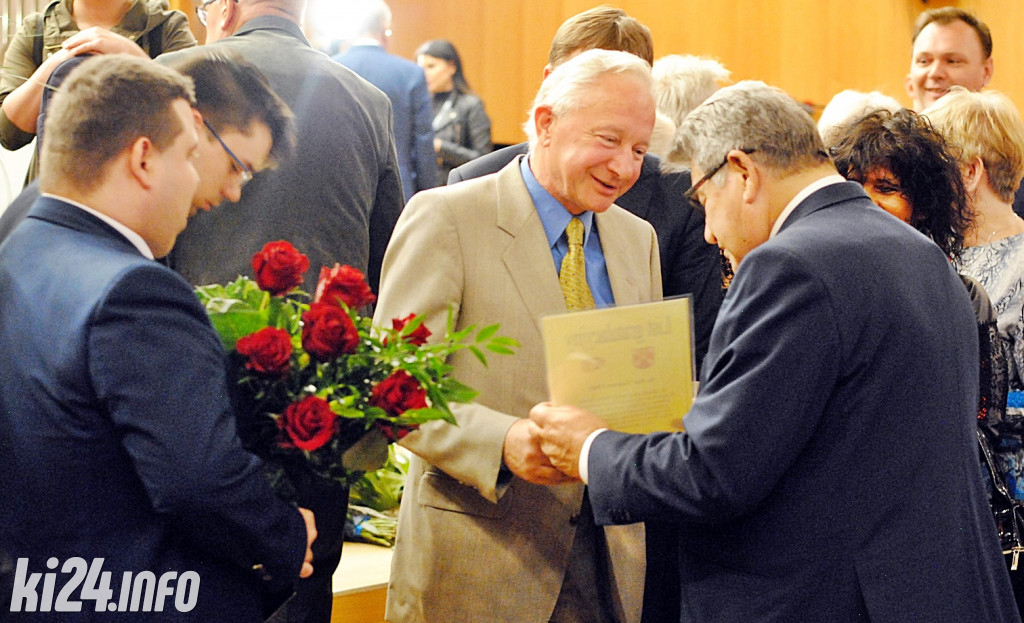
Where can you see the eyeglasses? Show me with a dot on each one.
(244, 172)
(691, 193)
(202, 12)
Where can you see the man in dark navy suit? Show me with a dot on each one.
(688, 264)
(829, 467)
(119, 449)
(405, 85)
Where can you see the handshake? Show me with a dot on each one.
(545, 448)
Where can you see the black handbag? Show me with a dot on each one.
(1008, 512)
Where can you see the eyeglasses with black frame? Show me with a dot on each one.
(202, 12)
(691, 193)
(244, 172)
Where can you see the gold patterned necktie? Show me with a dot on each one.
(573, 276)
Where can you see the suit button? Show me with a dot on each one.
(574, 519)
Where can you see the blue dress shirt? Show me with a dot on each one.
(555, 218)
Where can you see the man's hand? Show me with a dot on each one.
(562, 432)
(522, 455)
(307, 564)
(98, 40)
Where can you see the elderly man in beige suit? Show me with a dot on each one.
(488, 529)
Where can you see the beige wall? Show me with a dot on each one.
(811, 48)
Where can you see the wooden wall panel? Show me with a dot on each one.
(811, 48)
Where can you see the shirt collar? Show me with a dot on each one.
(553, 215)
(273, 22)
(813, 187)
(121, 228)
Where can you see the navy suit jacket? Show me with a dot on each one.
(829, 469)
(689, 265)
(116, 437)
(14, 214)
(406, 86)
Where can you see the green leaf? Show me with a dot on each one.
(237, 324)
(459, 336)
(486, 333)
(479, 354)
(506, 341)
(418, 416)
(455, 391)
(499, 349)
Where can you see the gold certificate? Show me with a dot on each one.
(631, 365)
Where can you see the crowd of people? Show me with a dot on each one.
(856, 447)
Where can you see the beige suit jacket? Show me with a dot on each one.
(473, 547)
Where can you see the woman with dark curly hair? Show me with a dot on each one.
(907, 169)
(910, 171)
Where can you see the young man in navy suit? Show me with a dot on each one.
(120, 455)
(829, 468)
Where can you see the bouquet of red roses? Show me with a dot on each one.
(318, 383)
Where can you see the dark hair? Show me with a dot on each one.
(602, 28)
(444, 50)
(232, 94)
(950, 14)
(106, 104)
(906, 145)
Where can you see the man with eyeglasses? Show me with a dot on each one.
(338, 200)
(245, 128)
(120, 451)
(829, 468)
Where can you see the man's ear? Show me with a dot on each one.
(543, 119)
(140, 161)
(989, 68)
(229, 18)
(741, 162)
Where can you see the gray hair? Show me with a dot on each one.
(751, 115)
(849, 106)
(681, 83)
(350, 19)
(564, 90)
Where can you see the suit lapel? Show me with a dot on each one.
(527, 256)
(66, 215)
(619, 257)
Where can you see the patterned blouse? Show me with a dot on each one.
(999, 268)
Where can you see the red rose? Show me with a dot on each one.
(328, 332)
(399, 393)
(309, 423)
(345, 283)
(394, 432)
(417, 337)
(279, 267)
(268, 351)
